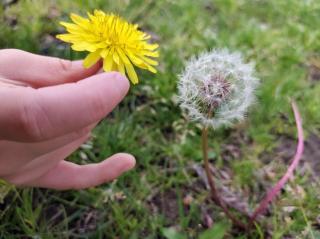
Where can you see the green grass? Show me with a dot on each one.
(280, 36)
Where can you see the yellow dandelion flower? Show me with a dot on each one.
(120, 44)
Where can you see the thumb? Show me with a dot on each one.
(67, 175)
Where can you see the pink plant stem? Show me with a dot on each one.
(273, 192)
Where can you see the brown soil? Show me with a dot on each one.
(311, 155)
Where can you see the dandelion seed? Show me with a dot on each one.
(217, 88)
(119, 43)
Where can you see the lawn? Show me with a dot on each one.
(166, 195)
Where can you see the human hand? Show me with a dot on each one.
(48, 107)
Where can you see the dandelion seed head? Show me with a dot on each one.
(217, 88)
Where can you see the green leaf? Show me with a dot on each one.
(171, 233)
(218, 231)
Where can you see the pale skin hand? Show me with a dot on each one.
(48, 108)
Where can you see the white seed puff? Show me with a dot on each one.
(217, 88)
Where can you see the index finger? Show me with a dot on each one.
(39, 71)
(31, 115)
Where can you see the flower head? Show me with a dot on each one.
(119, 43)
(217, 88)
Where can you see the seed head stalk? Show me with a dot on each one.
(214, 192)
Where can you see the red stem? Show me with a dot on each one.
(273, 192)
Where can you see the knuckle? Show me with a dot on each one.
(99, 106)
(63, 65)
(78, 182)
(29, 121)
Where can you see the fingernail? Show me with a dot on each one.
(122, 81)
(132, 162)
(127, 160)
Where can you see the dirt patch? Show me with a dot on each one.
(311, 156)
(231, 146)
(174, 201)
(88, 221)
(166, 203)
(85, 223)
(314, 69)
